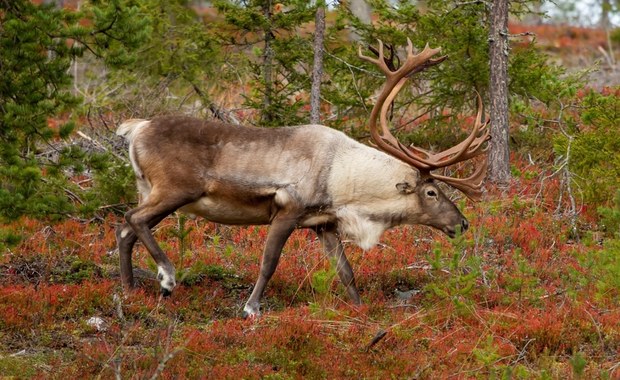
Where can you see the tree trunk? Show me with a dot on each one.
(605, 9)
(361, 10)
(317, 65)
(499, 153)
(268, 54)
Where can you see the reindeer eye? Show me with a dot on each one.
(431, 193)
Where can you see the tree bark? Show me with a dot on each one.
(499, 153)
(268, 55)
(361, 10)
(605, 9)
(317, 65)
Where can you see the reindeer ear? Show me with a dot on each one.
(405, 188)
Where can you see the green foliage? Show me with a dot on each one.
(610, 217)
(578, 363)
(605, 265)
(464, 272)
(34, 89)
(533, 77)
(487, 355)
(21, 367)
(280, 56)
(8, 238)
(37, 47)
(436, 134)
(323, 279)
(114, 183)
(200, 271)
(533, 83)
(178, 45)
(592, 146)
(179, 54)
(73, 270)
(523, 281)
(614, 36)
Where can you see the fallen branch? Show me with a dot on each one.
(383, 332)
(378, 336)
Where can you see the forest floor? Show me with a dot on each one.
(575, 48)
(532, 290)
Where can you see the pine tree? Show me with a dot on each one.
(499, 152)
(447, 90)
(37, 109)
(317, 63)
(281, 60)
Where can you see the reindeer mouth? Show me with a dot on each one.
(450, 231)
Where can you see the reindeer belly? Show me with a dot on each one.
(227, 211)
(317, 219)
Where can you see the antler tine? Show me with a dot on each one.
(419, 158)
(471, 146)
(470, 186)
(410, 47)
(413, 64)
(395, 80)
(379, 61)
(419, 62)
(389, 62)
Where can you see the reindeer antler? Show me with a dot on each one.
(421, 159)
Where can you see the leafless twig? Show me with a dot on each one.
(169, 354)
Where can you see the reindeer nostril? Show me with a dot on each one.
(464, 225)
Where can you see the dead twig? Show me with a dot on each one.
(378, 336)
(383, 332)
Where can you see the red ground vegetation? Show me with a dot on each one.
(565, 37)
(515, 295)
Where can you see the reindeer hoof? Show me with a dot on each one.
(166, 280)
(250, 313)
(250, 316)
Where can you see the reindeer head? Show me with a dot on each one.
(438, 211)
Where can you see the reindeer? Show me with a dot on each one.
(308, 176)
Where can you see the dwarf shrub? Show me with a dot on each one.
(610, 217)
(592, 146)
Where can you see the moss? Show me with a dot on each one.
(73, 270)
(21, 365)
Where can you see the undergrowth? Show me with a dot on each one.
(513, 297)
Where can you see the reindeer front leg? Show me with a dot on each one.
(334, 250)
(281, 228)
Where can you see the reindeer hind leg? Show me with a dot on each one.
(141, 219)
(126, 239)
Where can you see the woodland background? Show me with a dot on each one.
(531, 291)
